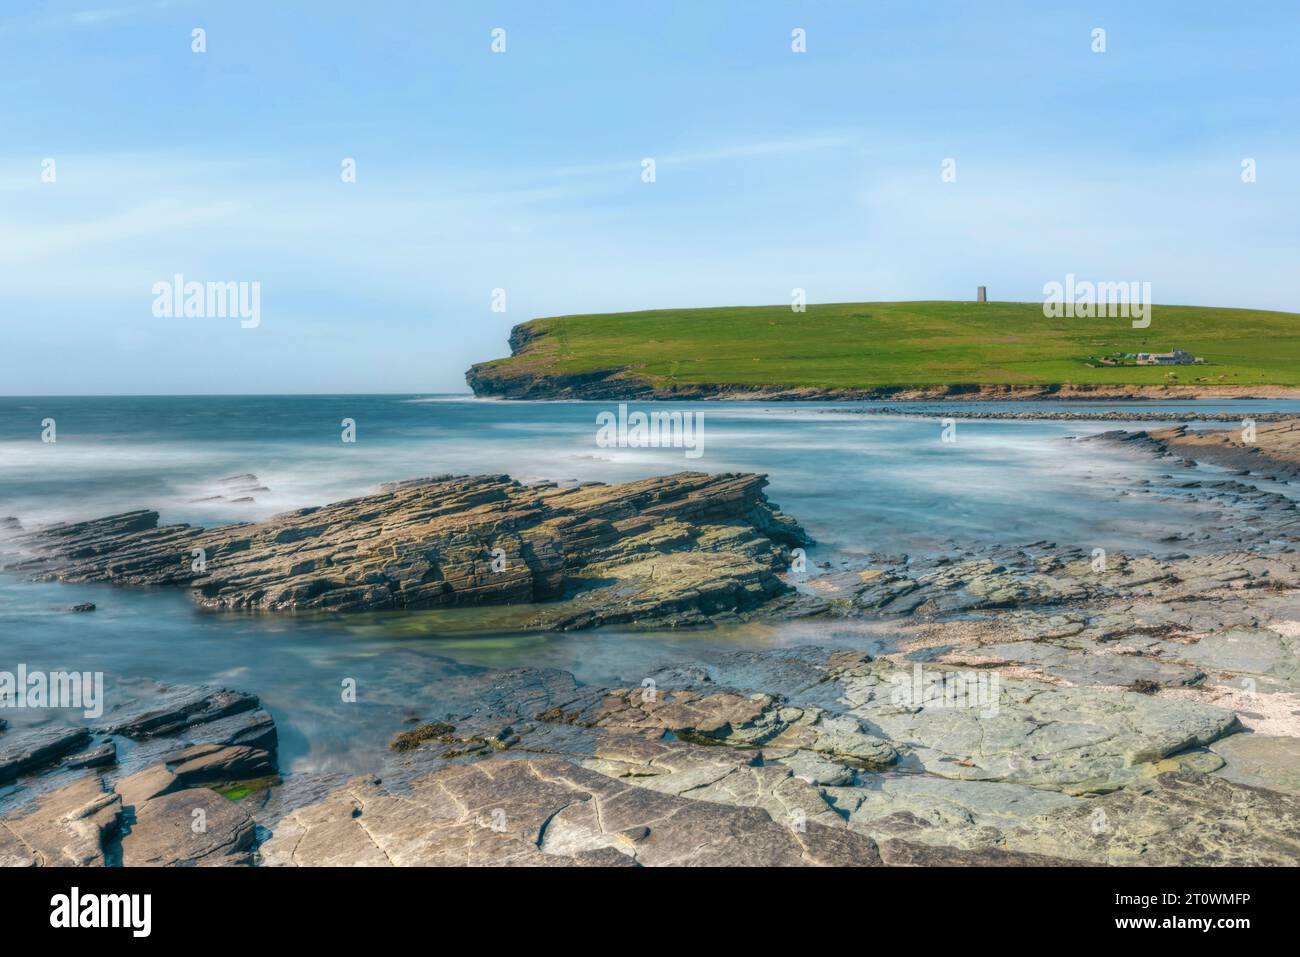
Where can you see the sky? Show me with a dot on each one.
(522, 171)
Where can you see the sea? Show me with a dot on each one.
(863, 484)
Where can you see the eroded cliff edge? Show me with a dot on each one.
(530, 373)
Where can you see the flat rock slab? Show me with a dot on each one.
(168, 739)
(1073, 739)
(200, 765)
(1081, 667)
(1250, 651)
(1183, 818)
(195, 827)
(925, 809)
(901, 853)
(1261, 760)
(1275, 449)
(543, 812)
(721, 775)
(727, 717)
(64, 828)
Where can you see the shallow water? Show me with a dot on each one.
(859, 484)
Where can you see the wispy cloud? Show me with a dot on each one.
(717, 154)
(86, 17)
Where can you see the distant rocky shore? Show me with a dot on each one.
(622, 385)
(1073, 415)
(638, 357)
(1109, 708)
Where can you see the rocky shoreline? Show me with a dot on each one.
(1039, 704)
(622, 385)
(1272, 449)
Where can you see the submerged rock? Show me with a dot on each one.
(24, 751)
(1003, 784)
(173, 710)
(711, 764)
(98, 756)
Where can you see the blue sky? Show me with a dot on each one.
(522, 171)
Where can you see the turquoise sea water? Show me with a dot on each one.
(859, 483)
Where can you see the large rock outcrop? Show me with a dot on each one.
(676, 549)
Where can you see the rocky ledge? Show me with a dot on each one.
(1272, 447)
(679, 549)
(150, 784)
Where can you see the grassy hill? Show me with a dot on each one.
(884, 347)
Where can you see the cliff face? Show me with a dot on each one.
(675, 549)
(503, 379)
(492, 380)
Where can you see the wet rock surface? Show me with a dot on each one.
(1263, 443)
(1020, 786)
(23, 751)
(75, 797)
(1137, 709)
(1041, 774)
(530, 768)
